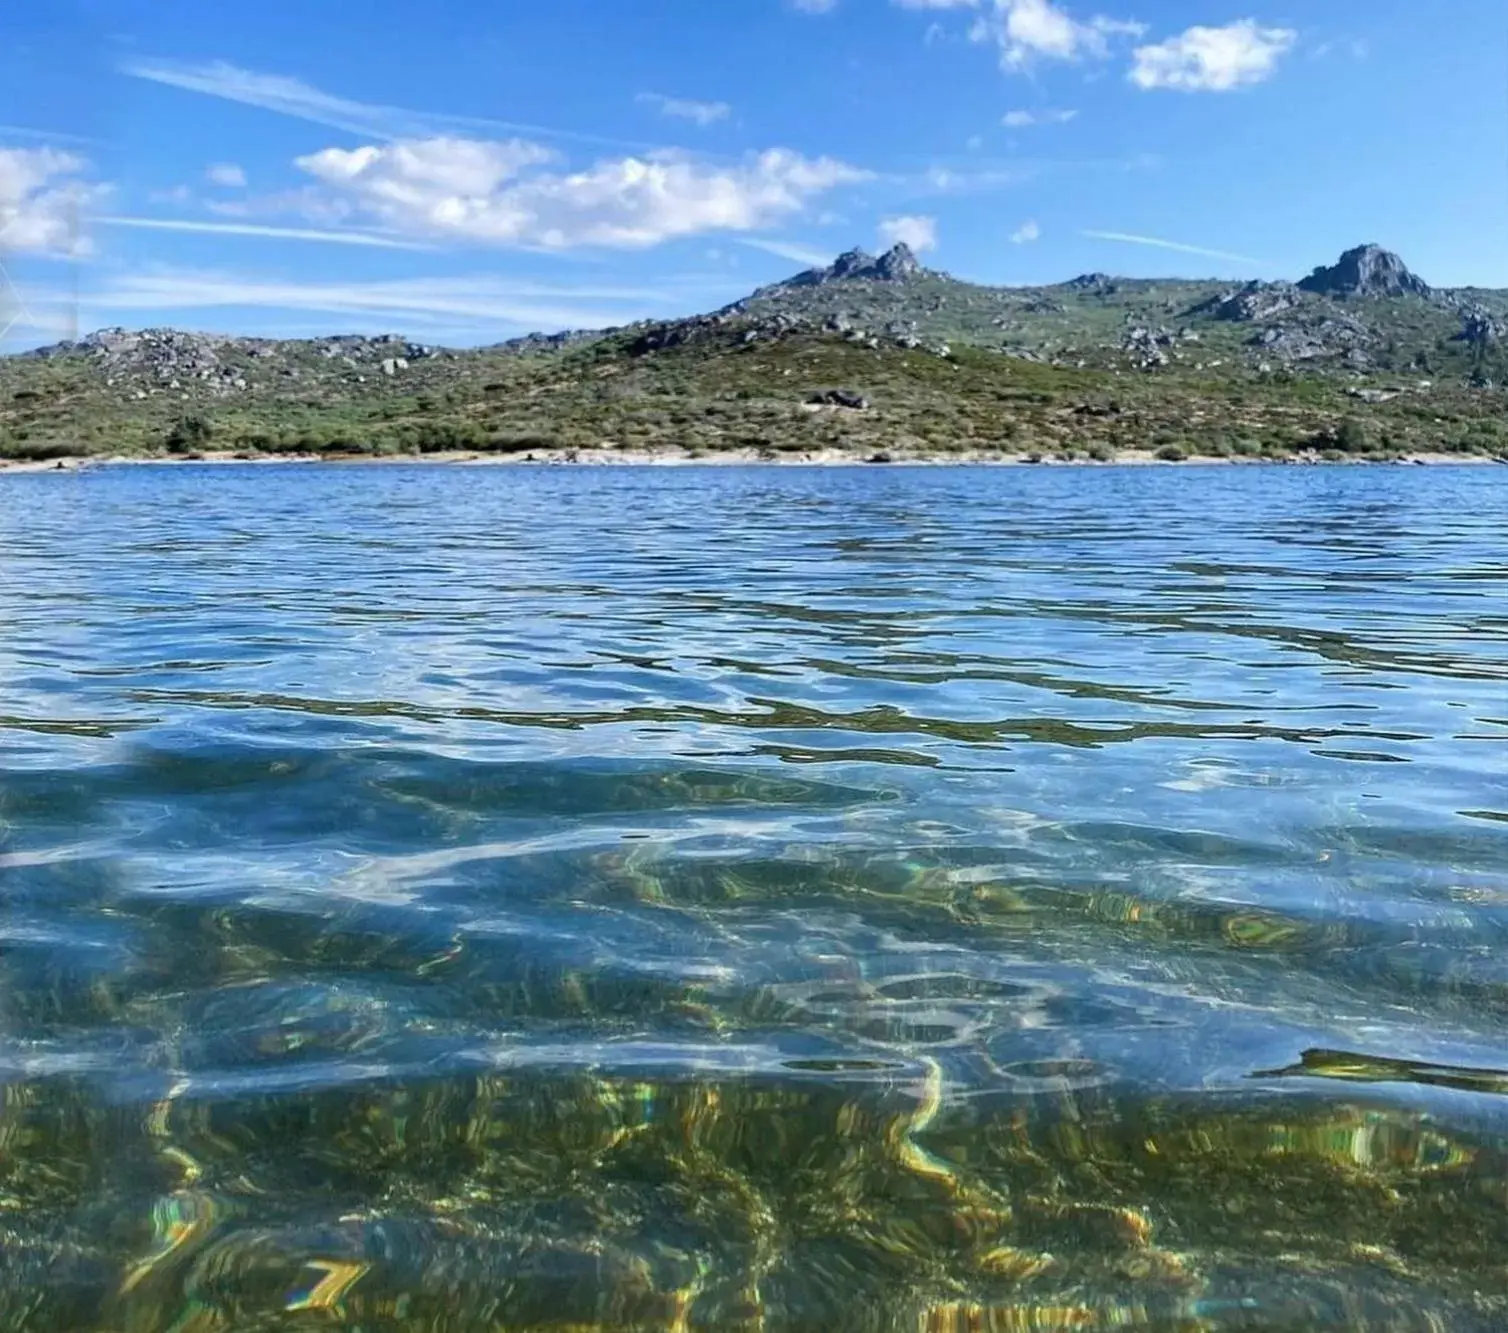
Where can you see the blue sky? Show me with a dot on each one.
(463, 173)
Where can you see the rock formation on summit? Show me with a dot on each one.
(1368, 270)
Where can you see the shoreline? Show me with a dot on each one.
(721, 458)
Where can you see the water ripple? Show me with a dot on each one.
(753, 899)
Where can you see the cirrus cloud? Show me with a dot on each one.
(493, 192)
(1213, 59)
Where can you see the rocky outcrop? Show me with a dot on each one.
(549, 342)
(895, 265)
(662, 336)
(1481, 328)
(855, 402)
(1368, 270)
(148, 363)
(1146, 346)
(1091, 282)
(1253, 302)
(1338, 336)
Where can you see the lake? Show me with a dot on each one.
(754, 898)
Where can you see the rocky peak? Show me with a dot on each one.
(895, 265)
(850, 264)
(1368, 270)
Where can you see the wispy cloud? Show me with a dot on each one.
(1021, 120)
(685, 108)
(293, 97)
(1026, 233)
(331, 237)
(1158, 243)
(227, 175)
(482, 301)
(47, 136)
(814, 6)
(797, 254)
(971, 180)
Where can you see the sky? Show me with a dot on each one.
(464, 173)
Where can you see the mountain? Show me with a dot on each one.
(1368, 270)
(1094, 364)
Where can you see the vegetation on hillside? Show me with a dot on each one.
(1083, 370)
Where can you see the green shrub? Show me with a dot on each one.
(1353, 436)
(188, 435)
(38, 451)
(1172, 453)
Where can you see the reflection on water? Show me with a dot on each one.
(459, 899)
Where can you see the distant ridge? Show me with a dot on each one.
(868, 355)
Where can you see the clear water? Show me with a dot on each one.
(754, 899)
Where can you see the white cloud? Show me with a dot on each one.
(227, 175)
(42, 198)
(1028, 30)
(1213, 59)
(1160, 244)
(920, 233)
(1020, 120)
(1026, 233)
(487, 192)
(293, 97)
(684, 108)
(413, 172)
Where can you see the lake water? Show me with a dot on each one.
(720, 898)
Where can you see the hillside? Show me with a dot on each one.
(872, 354)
